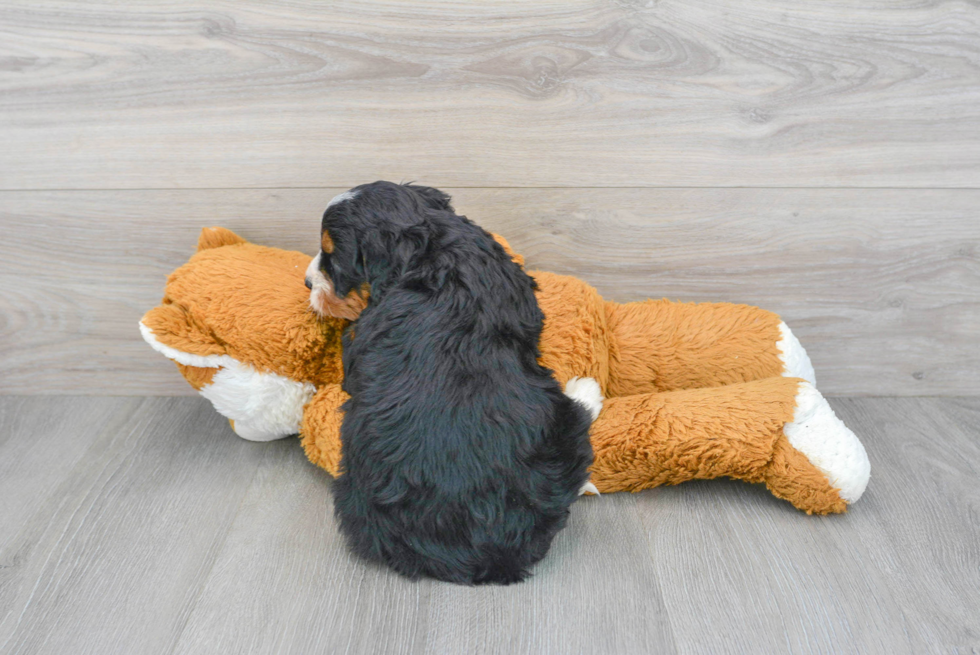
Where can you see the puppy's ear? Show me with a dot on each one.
(434, 198)
(349, 260)
(378, 258)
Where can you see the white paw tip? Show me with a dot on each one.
(796, 363)
(588, 488)
(829, 445)
(249, 432)
(587, 392)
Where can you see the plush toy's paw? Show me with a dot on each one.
(587, 392)
(796, 363)
(261, 406)
(250, 432)
(829, 445)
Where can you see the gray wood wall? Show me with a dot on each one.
(819, 159)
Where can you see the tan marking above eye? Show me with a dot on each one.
(326, 242)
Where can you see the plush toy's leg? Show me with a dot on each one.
(587, 392)
(826, 443)
(258, 406)
(779, 431)
(660, 345)
(320, 431)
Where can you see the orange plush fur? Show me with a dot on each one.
(692, 391)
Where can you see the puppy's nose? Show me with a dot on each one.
(309, 285)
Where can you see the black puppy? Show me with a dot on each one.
(461, 454)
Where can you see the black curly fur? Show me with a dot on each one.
(461, 453)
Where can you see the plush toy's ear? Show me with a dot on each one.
(513, 255)
(215, 237)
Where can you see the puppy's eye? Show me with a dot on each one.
(328, 264)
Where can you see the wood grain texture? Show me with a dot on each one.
(155, 530)
(110, 554)
(315, 597)
(925, 509)
(549, 93)
(302, 591)
(596, 592)
(878, 579)
(38, 449)
(882, 286)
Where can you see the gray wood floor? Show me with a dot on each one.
(142, 525)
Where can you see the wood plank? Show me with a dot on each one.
(744, 572)
(551, 93)
(158, 531)
(926, 463)
(596, 592)
(39, 448)
(115, 552)
(882, 286)
(285, 582)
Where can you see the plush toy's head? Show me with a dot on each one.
(236, 320)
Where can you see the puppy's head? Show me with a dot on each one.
(369, 234)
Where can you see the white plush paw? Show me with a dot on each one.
(250, 432)
(829, 445)
(587, 392)
(263, 406)
(796, 363)
(588, 488)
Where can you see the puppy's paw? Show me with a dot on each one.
(588, 488)
(587, 392)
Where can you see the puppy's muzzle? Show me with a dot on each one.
(325, 302)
